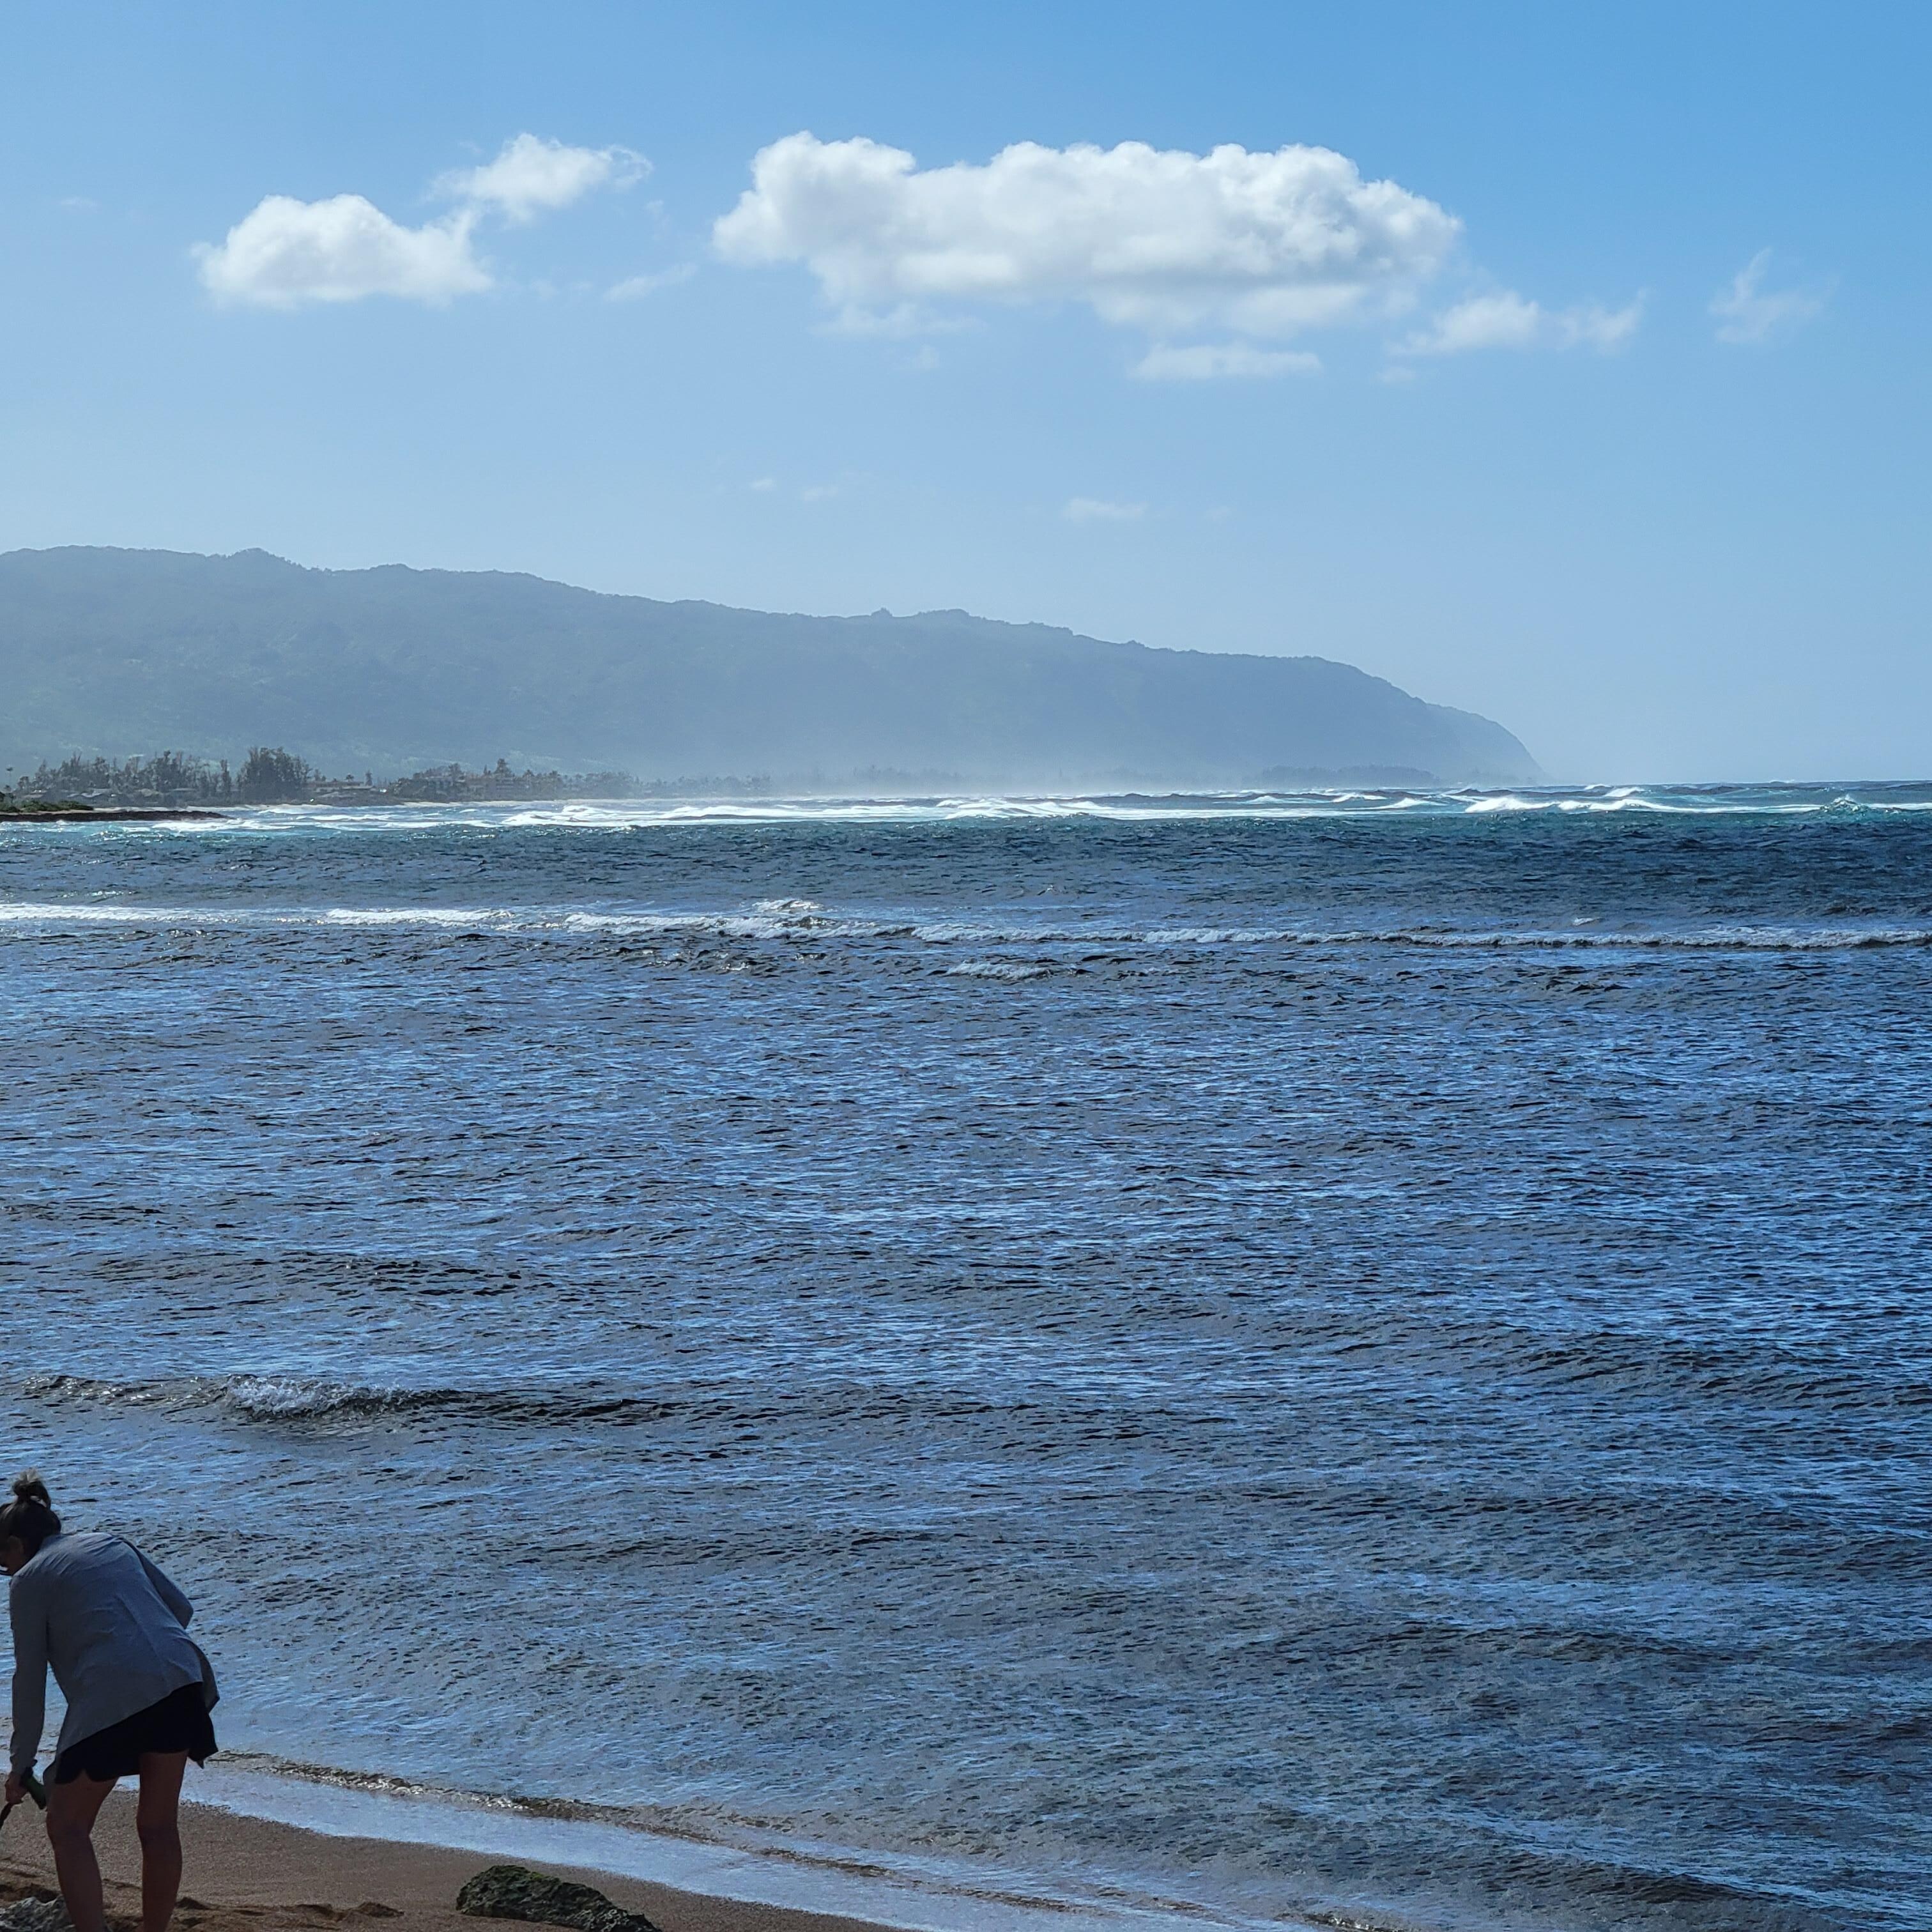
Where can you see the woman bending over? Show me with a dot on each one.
(138, 1690)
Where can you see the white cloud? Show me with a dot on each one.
(1265, 244)
(817, 492)
(287, 252)
(1507, 320)
(1504, 321)
(1748, 312)
(1096, 510)
(899, 323)
(1593, 326)
(532, 176)
(1204, 361)
(634, 288)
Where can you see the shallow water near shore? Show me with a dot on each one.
(1263, 1356)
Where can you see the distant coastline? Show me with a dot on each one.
(177, 784)
(105, 652)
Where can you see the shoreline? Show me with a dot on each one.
(244, 1873)
(293, 1836)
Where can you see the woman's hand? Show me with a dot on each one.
(16, 1787)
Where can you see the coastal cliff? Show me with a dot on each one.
(115, 652)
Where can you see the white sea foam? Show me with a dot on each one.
(1000, 969)
(94, 912)
(618, 815)
(408, 916)
(799, 921)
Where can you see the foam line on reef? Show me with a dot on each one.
(790, 922)
(619, 815)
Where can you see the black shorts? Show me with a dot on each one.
(179, 1722)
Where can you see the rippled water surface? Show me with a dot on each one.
(1279, 1354)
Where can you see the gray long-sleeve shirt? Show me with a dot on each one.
(112, 1627)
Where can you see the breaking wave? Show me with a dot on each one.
(311, 1399)
(1776, 800)
(802, 920)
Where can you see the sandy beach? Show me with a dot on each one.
(250, 1875)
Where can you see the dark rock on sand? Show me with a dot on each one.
(36, 1915)
(515, 1891)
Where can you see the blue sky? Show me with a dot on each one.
(1480, 431)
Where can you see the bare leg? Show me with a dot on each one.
(155, 1819)
(72, 1808)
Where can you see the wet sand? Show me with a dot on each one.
(250, 1875)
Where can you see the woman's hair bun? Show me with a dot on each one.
(29, 1518)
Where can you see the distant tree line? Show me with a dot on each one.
(271, 775)
(169, 778)
(268, 776)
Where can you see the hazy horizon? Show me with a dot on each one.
(1042, 783)
(115, 652)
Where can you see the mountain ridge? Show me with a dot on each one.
(115, 652)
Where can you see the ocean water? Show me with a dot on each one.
(1360, 1357)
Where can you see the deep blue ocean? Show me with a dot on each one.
(1367, 1356)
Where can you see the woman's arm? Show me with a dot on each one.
(30, 1677)
(170, 1592)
